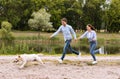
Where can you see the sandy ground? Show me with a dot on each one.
(72, 68)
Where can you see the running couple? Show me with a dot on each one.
(68, 31)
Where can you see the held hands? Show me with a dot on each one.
(77, 39)
(50, 37)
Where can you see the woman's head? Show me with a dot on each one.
(90, 27)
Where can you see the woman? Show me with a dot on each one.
(92, 37)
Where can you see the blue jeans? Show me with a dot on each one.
(68, 46)
(93, 45)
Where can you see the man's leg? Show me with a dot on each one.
(72, 50)
(65, 48)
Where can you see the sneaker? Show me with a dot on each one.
(101, 50)
(60, 60)
(79, 56)
(94, 62)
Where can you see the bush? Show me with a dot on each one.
(6, 33)
(40, 20)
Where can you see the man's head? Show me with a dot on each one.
(64, 21)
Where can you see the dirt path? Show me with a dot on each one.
(72, 68)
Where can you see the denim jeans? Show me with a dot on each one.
(93, 45)
(68, 46)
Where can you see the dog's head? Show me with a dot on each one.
(17, 59)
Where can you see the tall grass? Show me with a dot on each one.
(25, 43)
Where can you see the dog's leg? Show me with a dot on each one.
(24, 62)
(39, 60)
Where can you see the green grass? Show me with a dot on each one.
(105, 36)
(32, 38)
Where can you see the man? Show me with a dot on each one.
(67, 31)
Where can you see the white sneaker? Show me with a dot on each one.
(60, 60)
(94, 62)
(101, 50)
(79, 56)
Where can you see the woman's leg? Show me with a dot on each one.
(96, 51)
(92, 52)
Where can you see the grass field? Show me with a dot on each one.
(105, 36)
(29, 42)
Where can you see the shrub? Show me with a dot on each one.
(40, 20)
(6, 33)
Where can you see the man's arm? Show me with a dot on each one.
(54, 34)
(73, 32)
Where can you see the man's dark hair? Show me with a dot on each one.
(64, 19)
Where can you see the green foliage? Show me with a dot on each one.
(55, 46)
(40, 20)
(5, 30)
(91, 14)
(10, 11)
(114, 16)
(73, 8)
(17, 48)
(18, 12)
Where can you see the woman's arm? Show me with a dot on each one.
(94, 36)
(83, 35)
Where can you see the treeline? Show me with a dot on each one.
(103, 15)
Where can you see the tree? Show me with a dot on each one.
(92, 13)
(78, 12)
(73, 13)
(10, 11)
(40, 20)
(17, 12)
(113, 15)
(6, 33)
(56, 8)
